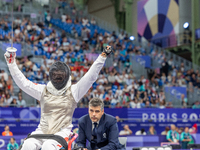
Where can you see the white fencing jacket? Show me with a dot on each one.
(57, 110)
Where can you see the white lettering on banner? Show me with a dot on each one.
(184, 124)
(2, 125)
(185, 116)
(173, 117)
(146, 124)
(6, 112)
(28, 125)
(130, 125)
(175, 92)
(144, 117)
(168, 117)
(161, 117)
(163, 125)
(2, 143)
(153, 117)
(141, 61)
(10, 125)
(193, 117)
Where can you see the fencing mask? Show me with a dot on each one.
(59, 74)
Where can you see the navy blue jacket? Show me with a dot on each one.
(107, 133)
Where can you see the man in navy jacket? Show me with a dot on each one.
(99, 128)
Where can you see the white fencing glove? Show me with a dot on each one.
(10, 57)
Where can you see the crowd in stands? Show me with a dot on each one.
(171, 74)
(116, 86)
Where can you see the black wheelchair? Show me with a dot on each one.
(66, 143)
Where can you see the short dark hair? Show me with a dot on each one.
(95, 102)
(12, 138)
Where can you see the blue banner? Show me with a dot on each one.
(17, 46)
(26, 120)
(144, 60)
(176, 91)
(132, 141)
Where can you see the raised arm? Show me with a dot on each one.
(83, 85)
(81, 88)
(34, 90)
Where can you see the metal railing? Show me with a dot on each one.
(173, 40)
(26, 50)
(138, 66)
(101, 23)
(176, 59)
(33, 17)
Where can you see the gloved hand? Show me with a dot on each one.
(10, 57)
(108, 49)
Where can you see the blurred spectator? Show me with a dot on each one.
(85, 21)
(64, 17)
(14, 103)
(111, 78)
(147, 104)
(8, 99)
(169, 105)
(196, 105)
(18, 21)
(21, 102)
(162, 104)
(7, 131)
(141, 132)
(180, 130)
(48, 18)
(12, 145)
(93, 21)
(152, 131)
(69, 20)
(118, 105)
(135, 104)
(172, 135)
(166, 131)
(193, 130)
(185, 138)
(2, 102)
(85, 34)
(9, 84)
(126, 131)
(4, 74)
(75, 130)
(118, 119)
(184, 101)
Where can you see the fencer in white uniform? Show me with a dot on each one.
(58, 99)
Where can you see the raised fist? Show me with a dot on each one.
(107, 50)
